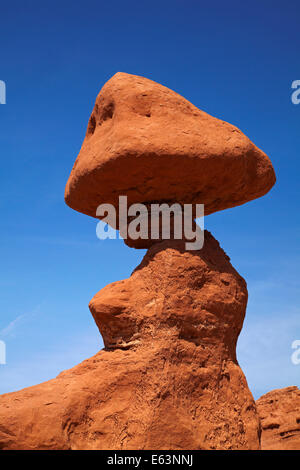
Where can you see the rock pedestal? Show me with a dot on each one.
(168, 377)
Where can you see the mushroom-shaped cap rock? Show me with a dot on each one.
(150, 144)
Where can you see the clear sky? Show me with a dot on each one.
(235, 60)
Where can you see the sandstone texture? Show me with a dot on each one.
(168, 377)
(279, 411)
(148, 143)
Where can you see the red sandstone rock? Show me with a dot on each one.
(151, 144)
(279, 411)
(168, 377)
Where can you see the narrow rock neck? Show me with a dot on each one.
(175, 296)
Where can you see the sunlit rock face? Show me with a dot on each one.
(168, 377)
(149, 143)
(279, 411)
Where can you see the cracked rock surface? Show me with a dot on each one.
(168, 377)
(279, 411)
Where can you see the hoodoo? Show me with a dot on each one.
(168, 376)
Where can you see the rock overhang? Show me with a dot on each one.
(148, 143)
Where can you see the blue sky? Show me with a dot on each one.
(235, 60)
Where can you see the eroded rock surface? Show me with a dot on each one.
(279, 411)
(148, 143)
(168, 377)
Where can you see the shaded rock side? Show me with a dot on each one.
(279, 411)
(168, 377)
